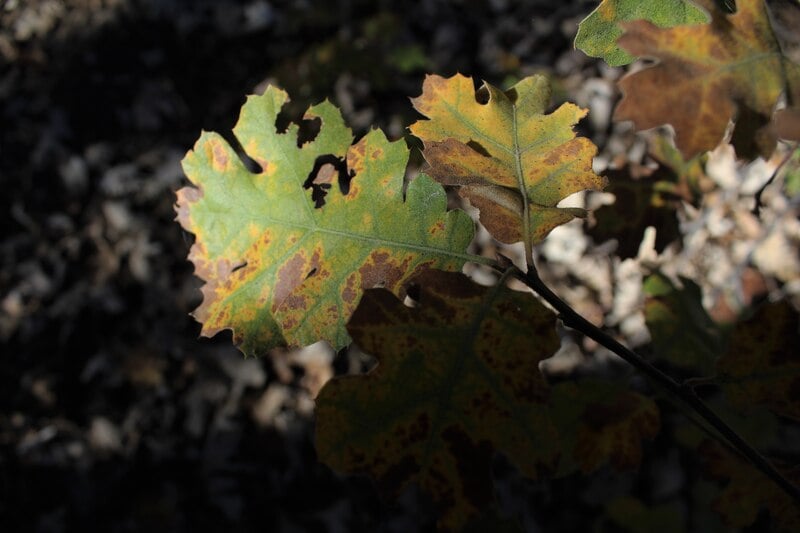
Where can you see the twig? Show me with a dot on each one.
(757, 208)
(686, 394)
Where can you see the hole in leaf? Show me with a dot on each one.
(238, 267)
(727, 6)
(309, 129)
(249, 163)
(286, 116)
(311, 273)
(482, 95)
(291, 115)
(318, 193)
(512, 95)
(327, 169)
(479, 148)
(413, 292)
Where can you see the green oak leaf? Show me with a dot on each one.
(457, 378)
(278, 269)
(598, 33)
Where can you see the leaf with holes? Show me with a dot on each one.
(457, 377)
(730, 68)
(598, 33)
(278, 269)
(762, 365)
(601, 422)
(510, 159)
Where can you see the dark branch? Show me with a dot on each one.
(686, 394)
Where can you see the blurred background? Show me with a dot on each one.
(114, 416)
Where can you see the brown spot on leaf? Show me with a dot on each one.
(349, 294)
(185, 197)
(289, 276)
(473, 463)
(219, 156)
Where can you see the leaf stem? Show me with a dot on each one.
(686, 394)
(757, 207)
(527, 238)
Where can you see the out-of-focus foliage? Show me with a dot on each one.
(598, 33)
(731, 68)
(682, 332)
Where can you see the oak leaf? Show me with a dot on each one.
(598, 33)
(706, 75)
(279, 270)
(511, 160)
(457, 378)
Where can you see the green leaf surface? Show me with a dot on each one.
(279, 270)
(511, 160)
(681, 330)
(762, 363)
(598, 33)
(457, 378)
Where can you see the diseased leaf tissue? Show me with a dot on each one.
(511, 160)
(278, 269)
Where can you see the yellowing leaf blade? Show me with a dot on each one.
(280, 271)
(511, 160)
